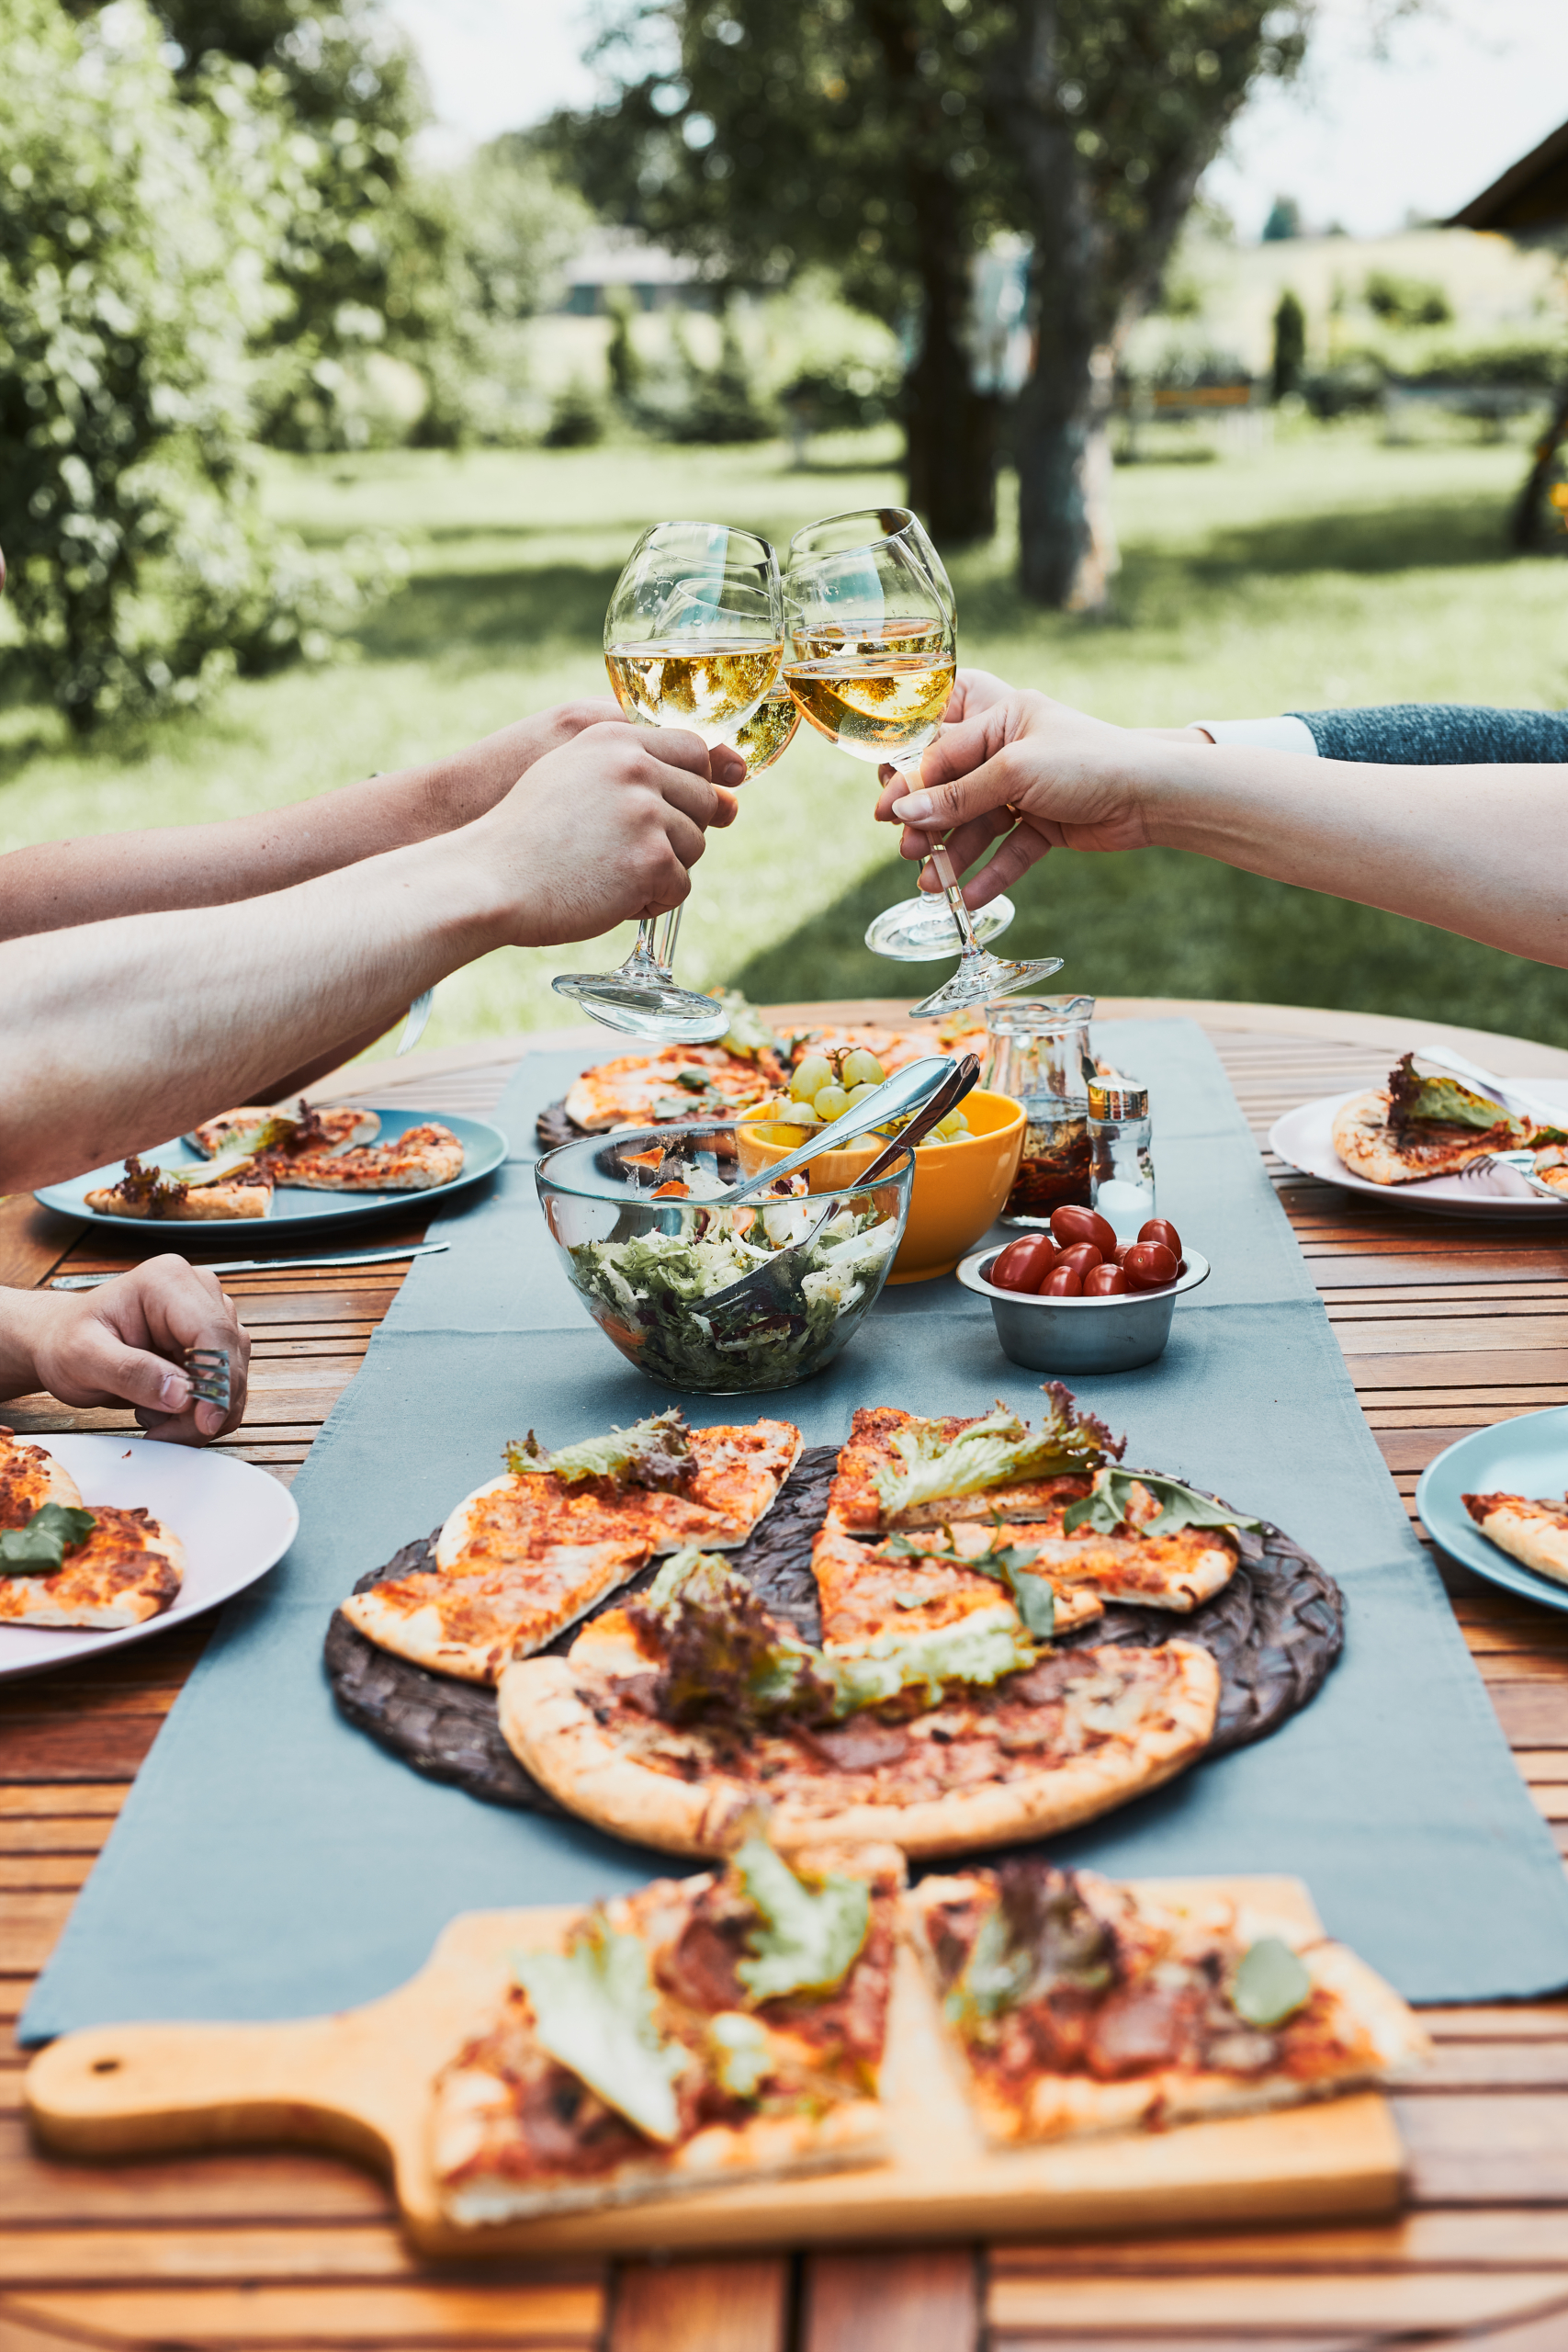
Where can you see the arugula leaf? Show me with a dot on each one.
(653, 1453)
(1040, 1934)
(1270, 1983)
(594, 2010)
(810, 1937)
(1033, 1595)
(1413, 1096)
(1106, 1509)
(38, 1549)
(999, 1451)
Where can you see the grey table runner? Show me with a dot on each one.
(271, 1862)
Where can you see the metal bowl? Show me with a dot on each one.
(1081, 1334)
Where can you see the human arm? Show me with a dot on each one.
(119, 1034)
(124, 1343)
(1478, 849)
(53, 885)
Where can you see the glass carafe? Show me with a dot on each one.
(1040, 1054)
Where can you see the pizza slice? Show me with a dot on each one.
(471, 1623)
(676, 1715)
(1535, 1533)
(1420, 1125)
(100, 1568)
(701, 2032)
(901, 1470)
(1074, 2004)
(415, 1161)
(30, 1477)
(257, 1129)
(885, 1591)
(158, 1193)
(672, 1088)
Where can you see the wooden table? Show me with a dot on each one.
(1445, 1327)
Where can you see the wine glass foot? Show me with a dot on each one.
(920, 930)
(653, 1008)
(980, 978)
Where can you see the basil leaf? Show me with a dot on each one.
(1105, 1509)
(38, 1549)
(1271, 1983)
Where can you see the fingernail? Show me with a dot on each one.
(175, 1392)
(209, 1419)
(918, 805)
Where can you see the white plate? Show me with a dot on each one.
(234, 1520)
(1524, 1456)
(1305, 1138)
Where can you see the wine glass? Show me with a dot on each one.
(694, 637)
(919, 928)
(873, 654)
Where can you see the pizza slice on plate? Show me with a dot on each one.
(529, 1553)
(30, 1477)
(1535, 1533)
(100, 1569)
(675, 1717)
(698, 2033)
(259, 1130)
(1420, 1125)
(1075, 2004)
(901, 1470)
(185, 1197)
(415, 1161)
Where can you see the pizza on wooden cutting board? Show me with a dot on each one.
(63, 1565)
(701, 2032)
(1426, 1124)
(529, 1553)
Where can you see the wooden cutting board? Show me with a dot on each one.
(360, 2081)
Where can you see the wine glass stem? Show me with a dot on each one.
(952, 891)
(664, 954)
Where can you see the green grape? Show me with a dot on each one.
(810, 1077)
(831, 1102)
(858, 1093)
(954, 1123)
(862, 1069)
(799, 1115)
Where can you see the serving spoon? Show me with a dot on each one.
(914, 1088)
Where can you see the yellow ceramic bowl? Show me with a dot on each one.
(959, 1187)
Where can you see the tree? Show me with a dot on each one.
(890, 140)
(1289, 345)
(134, 235)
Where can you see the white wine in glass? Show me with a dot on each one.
(919, 929)
(769, 732)
(881, 706)
(694, 637)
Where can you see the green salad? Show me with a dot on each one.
(681, 1306)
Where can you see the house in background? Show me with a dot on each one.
(620, 260)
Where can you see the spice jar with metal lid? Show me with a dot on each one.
(1040, 1057)
(1122, 1169)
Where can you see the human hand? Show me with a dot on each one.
(1028, 771)
(124, 1343)
(603, 829)
(475, 779)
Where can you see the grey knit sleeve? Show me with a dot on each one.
(1438, 734)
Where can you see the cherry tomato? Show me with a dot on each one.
(1063, 1281)
(1105, 1281)
(1149, 1265)
(1024, 1265)
(1160, 1228)
(1122, 1249)
(1082, 1255)
(1070, 1224)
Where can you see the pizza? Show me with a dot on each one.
(529, 1553)
(101, 1568)
(30, 1477)
(891, 1589)
(1535, 1533)
(158, 1193)
(902, 1470)
(698, 2033)
(674, 1087)
(1073, 2005)
(331, 1148)
(260, 1131)
(1419, 1125)
(674, 1717)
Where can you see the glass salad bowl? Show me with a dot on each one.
(715, 1300)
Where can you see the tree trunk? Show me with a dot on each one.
(1531, 531)
(1067, 554)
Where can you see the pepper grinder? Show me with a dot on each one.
(1122, 1170)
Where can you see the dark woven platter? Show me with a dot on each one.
(1276, 1630)
(553, 1127)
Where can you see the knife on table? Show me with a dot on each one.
(266, 1265)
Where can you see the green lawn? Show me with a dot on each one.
(1329, 569)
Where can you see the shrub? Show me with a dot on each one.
(577, 420)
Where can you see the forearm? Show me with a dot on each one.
(119, 1034)
(19, 1319)
(1478, 850)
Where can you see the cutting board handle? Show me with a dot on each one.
(126, 2090)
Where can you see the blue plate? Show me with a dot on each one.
(1529, 1456)
(294, 1210)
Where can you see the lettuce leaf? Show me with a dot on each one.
(594, 2010)
(1106, 1509)
(1039, 1934)
(653, 1453)
(1414, 1097)
(38, 1549)
(810, 1937)
(1000, 1450)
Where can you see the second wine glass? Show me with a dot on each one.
(694, 637)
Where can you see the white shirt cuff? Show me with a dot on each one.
(1265, 734)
